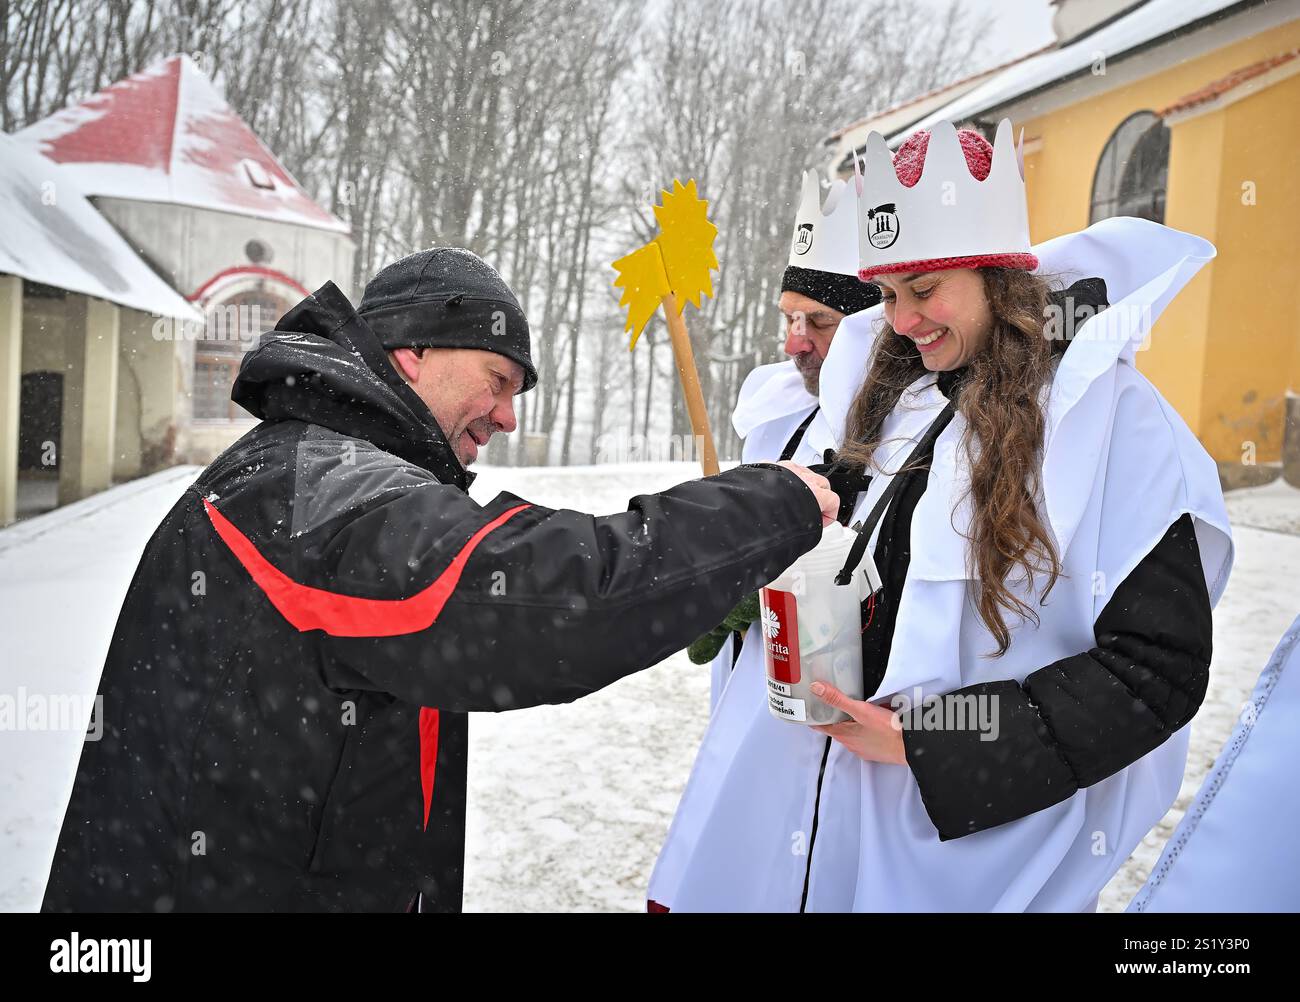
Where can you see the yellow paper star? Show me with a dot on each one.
(644, 283)
(686, 242)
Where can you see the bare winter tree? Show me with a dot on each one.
(56, 51)
(538, 134)
(747, 90)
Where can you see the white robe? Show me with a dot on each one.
(1235, 849)
(772, 403)
(1119, 467)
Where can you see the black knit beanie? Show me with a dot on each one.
(447, 297)
(845, 293)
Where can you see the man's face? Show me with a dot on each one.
(809, 327)
(469, 391)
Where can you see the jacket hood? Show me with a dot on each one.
(1073, 307)
(322, 364)
(1076, 304)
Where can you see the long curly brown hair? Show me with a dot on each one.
(1000, 400)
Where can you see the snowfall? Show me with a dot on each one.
(568, 805)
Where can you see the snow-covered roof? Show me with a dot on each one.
(1134, 30)
(898, 117)
(905, 112)
(53, 235)
(165, 134)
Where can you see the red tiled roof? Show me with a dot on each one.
(135, 125)
(166, 134)
(1236, 78)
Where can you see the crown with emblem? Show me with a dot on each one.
(825, 233)
(944, 200)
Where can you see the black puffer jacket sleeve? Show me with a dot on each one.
(511, 604)
(1075, 722)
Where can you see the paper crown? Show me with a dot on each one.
(948, 219)
(825, 235)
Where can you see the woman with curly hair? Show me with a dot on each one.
(1051, 539)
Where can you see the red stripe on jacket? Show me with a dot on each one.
(428, 756)
(308, 608)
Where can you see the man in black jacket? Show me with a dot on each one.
(286, 689)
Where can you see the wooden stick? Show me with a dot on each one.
(690, 380)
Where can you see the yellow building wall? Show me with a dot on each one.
(1252, 320)
(147, 406)
(1175, 358)
(1226, 395)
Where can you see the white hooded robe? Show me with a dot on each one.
(772, 403)
(1119, 467)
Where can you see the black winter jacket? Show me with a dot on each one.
(286, 689)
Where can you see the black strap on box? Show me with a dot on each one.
(868, 525)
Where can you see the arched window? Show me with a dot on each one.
(237, 305)
(232, 328)
(1133, 171)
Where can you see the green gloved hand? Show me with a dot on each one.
(706, 648)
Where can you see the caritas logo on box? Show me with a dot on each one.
(780, 636)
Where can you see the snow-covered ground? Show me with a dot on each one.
(568, 804)
(63, 576)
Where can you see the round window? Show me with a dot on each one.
(258, 252)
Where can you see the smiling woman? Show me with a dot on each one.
(984, 327)
(1050, 540)
(944, 313)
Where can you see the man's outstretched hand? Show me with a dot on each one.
(821, 488)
